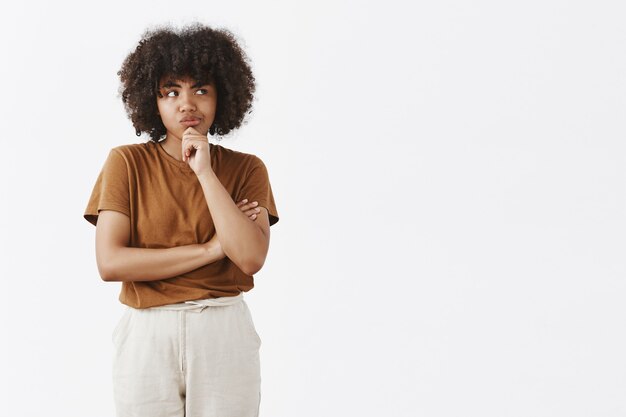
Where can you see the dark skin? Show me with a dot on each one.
(118, 262)
(243, 241)
(187, 109)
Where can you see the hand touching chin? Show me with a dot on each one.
(195, 149)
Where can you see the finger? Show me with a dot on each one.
(252, 211)
(184, 148)
(194, 134)
(187, 136)
(187, 149)
(249, 205)
(192, 131)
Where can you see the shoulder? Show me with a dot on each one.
(134, 149)
(135, 155)
(241, 160)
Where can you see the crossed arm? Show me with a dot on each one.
(118, 262)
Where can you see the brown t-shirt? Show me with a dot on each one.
(166, 206)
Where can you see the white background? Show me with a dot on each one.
(450, 181)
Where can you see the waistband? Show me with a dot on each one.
(199, 305)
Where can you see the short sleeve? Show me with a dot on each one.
(257, 187)
(111, 191)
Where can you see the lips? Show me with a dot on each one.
(190, 121)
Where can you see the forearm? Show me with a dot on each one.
(241, 240)
(142, 264)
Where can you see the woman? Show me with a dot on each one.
(169, 228)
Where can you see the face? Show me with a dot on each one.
(179, 99)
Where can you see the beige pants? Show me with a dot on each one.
(194, 359)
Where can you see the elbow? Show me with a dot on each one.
(108, 265)
(249, 263)
(107, 273)
(249, 258)
(252, 266)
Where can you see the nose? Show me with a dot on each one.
(187, 103)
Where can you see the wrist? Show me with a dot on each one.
(213, 250)
(207, 175)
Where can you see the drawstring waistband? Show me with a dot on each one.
(199, 305)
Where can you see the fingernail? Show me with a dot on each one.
(244, 200)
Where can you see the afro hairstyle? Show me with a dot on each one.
(196, 51)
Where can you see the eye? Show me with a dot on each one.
(167, 93)
(205, 91)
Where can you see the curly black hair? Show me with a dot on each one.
(197, 51)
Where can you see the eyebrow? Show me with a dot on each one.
(171, 83)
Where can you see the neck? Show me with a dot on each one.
(173, 147)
